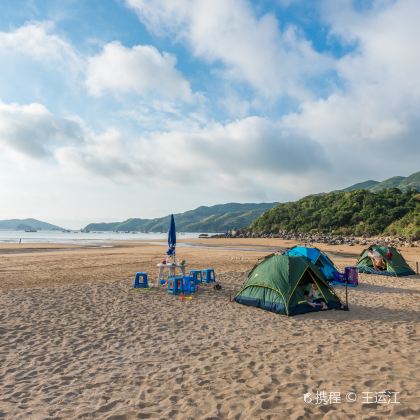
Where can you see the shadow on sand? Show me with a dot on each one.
(379, 289)
(363, 313)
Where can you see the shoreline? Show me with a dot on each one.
(229, 244)
(29, 265)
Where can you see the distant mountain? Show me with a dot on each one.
(367, 185)
(218, 218)
(412, 181)
(400, 182)
(27, 224)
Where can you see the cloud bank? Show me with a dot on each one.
(151, 111)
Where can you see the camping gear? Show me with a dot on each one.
(189, 284)
(317, 257)
(140, 284)
(351, 276)
(338, 278)
(169, 269)
(348, 278)
(175, 285)
(395, 262)
(196, 274)
(208, 275)
(171, 237)
(278, 284)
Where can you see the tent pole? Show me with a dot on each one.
(346, 307)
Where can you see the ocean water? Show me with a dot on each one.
(83, 238)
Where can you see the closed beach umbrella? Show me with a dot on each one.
(171, 236)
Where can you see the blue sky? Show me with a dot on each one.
(112, 109)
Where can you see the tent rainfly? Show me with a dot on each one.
(317, 257)
(395, 262)
(278, 284)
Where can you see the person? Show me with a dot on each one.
(314, 297)
(376, 258)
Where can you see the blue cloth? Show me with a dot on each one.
(171, 236)
(316, 257)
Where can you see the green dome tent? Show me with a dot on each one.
(395, 262)
(278, 284)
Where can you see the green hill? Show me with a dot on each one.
(359, 212)
(400, 182)
(362, 186)
(24, 224)
(394, 182)
(412, 181)
(219, 218)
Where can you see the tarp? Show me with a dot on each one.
(395, 262)
(278, 284)
(317, 257)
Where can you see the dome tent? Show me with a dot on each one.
(317, 257)
(278, 283)
(395, 262)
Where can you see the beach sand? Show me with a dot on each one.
(76, 341)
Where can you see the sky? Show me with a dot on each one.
(111, 109)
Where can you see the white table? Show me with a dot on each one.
(171, 267)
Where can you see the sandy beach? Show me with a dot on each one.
(76, 341)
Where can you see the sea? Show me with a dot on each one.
(75, 237)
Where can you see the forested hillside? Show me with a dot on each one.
(359, 212)
(219, 218)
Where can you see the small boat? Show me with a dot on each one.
(31, 230)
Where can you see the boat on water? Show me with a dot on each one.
(31, 230)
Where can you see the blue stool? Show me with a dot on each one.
(189, 285)
(196, 275)
(208, 275)
(140, 285)
(175, 285)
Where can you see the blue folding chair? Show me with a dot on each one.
(140, 284)
(208, 275)
(196, 275)
(189, 285)
(175, 285)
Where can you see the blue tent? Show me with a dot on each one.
(317, 257)
(171, 237)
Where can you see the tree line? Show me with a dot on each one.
(360, 212)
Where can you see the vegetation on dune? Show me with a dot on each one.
(359, 212)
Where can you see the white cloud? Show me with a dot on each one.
(37, 41)
(104, 155)
(252, 49)
(370, 126)
(248, 152)
(153, 141)
(386, 39)
(141, 69)
(33, 131)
